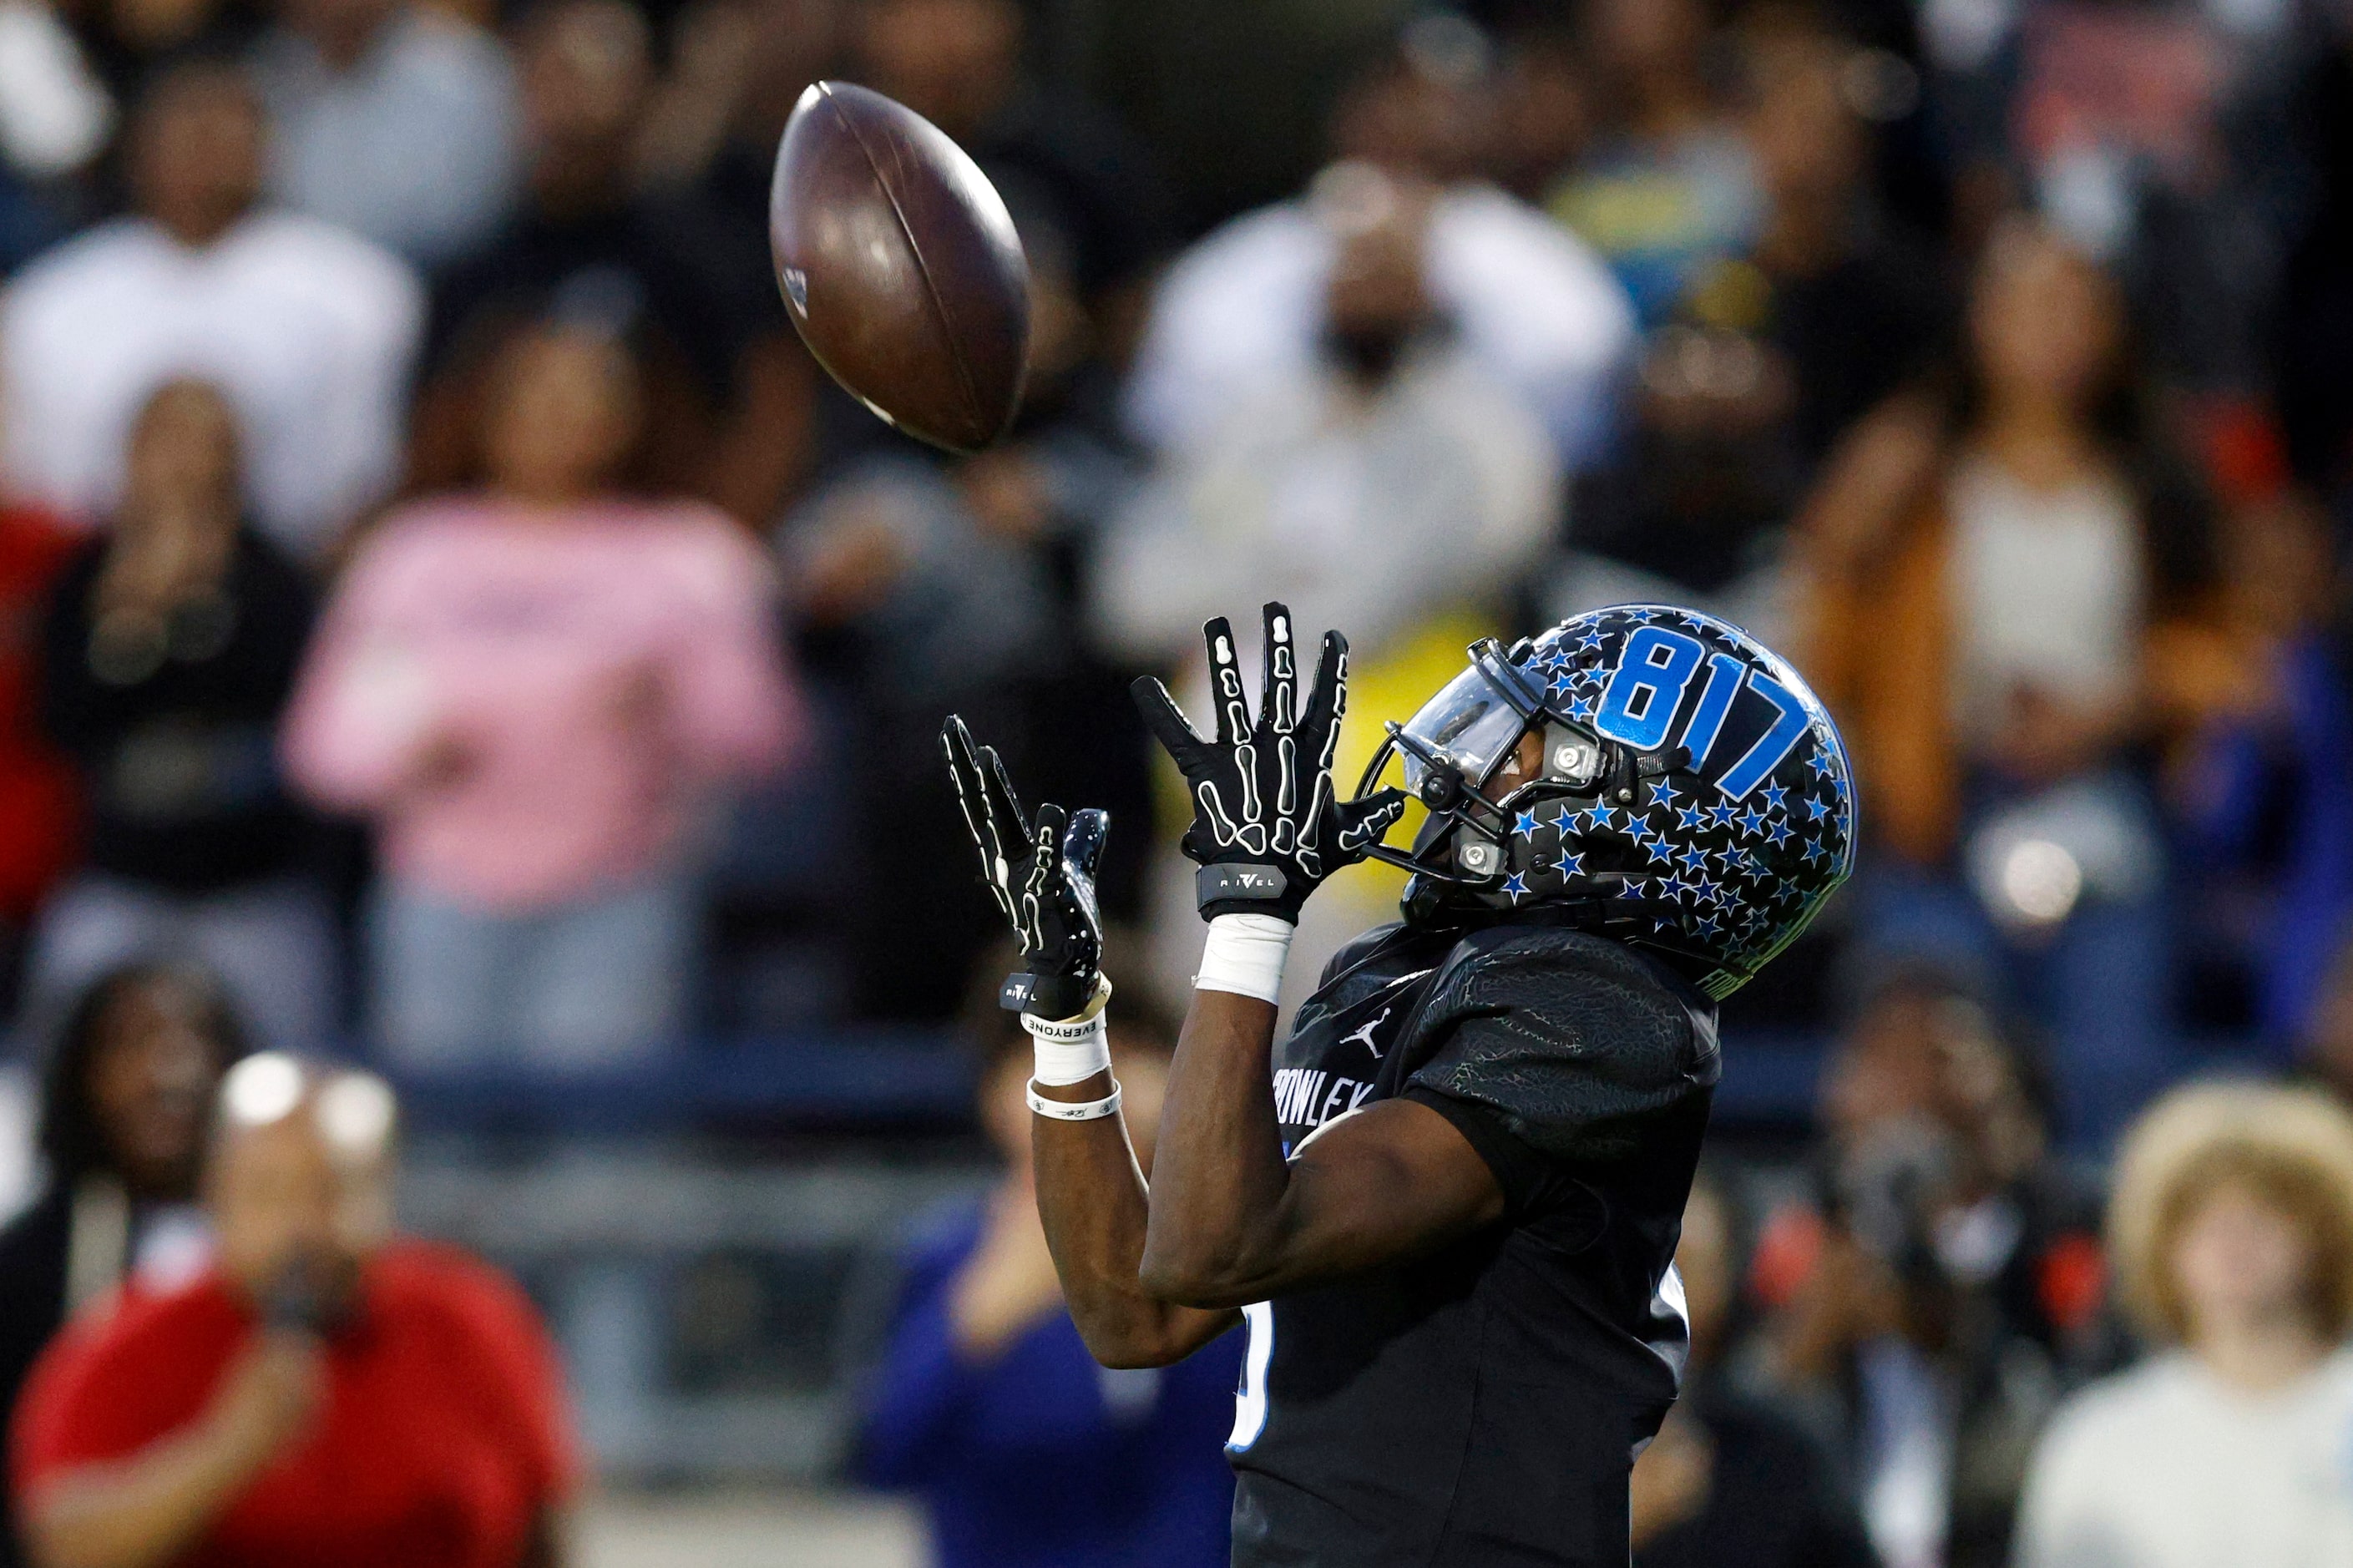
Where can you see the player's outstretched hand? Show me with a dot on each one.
(1266, 829)
(1042, 871)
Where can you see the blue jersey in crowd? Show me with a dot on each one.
(1040, 1458)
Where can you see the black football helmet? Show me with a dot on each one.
(1693, 797)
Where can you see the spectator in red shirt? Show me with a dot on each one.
(329, 1395)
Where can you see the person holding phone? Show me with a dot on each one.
(327, 1392)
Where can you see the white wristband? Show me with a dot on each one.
(1244, 954)
(1066, 1110)
(1070, 1050)
(1070, 1059)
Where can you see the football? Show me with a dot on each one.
(900, 266)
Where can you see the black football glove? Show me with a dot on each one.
(1266, 829)
(1043, 873)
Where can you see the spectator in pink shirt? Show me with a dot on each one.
(531, 690)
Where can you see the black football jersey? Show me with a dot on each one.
(1480, 1406)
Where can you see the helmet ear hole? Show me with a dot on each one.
(1479, 857)
(1571, 758)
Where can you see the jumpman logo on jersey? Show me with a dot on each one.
(1363, 1036)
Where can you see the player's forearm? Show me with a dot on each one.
(144, 1511)
(1235, 1218)
(1219, 1177)
(1091, 1199)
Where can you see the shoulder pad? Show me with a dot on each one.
(1372, 963)
(1357, 950)
(1572, 1039)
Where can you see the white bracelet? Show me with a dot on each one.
(1072, 1050)
(1244, 954)
(1068, 1111)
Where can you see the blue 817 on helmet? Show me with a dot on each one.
(1694, 795)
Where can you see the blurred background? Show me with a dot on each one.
(447, 622)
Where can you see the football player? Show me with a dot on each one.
(1446, 1204)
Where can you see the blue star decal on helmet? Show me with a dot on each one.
(1564, 822)
(1779, 833)
(1525, 823)
(1659, 849)
(1591, 642)
(1563, 683)
(1600, 818)
(1710, 926)
(1693, 858)
(1665, 793)
(1817, 850)
(1752, 822)
(1581, 709)
(1638, 828)
(1710, 889)
(1774, 795)
(1820, 760)
(1721, 814)
(1572, 865)
(1691, 818)
(1817, 809)
(1515, 887)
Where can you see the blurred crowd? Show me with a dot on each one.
(447, 620)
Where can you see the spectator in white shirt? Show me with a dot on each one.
(1386, 475)
(309, 328)
(1534, 308)
(394, 119)
(2231, 1232)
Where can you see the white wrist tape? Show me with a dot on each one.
(1244, 954)
(1070, 1050)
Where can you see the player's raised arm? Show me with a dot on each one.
(1233, 1219)
(1091, 1193)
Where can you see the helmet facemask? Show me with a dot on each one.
(1453, 749)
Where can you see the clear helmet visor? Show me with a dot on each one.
(1469, 726)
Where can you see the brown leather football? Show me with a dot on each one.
(900, 266)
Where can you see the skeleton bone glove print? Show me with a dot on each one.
(1267, 830)
(1042, 874)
